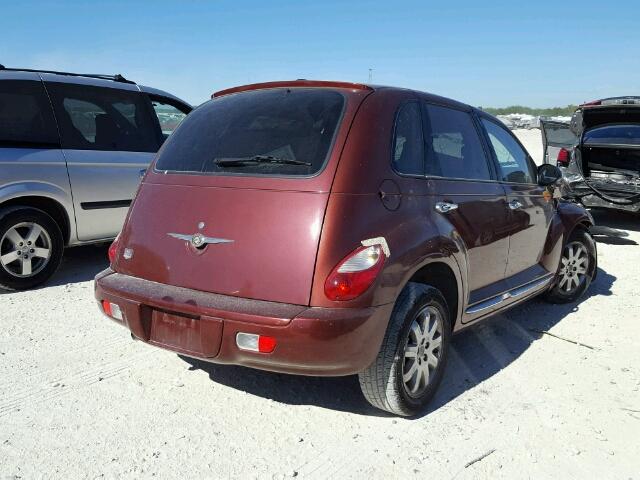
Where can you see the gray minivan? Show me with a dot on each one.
(72, 151)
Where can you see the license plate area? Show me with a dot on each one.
(197, 336)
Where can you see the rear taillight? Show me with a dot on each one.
(563, 157)
(113, 248)
(355, 273)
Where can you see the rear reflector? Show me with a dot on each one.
(563, 157)
(112, 310)
(113, 249)
(255, 343)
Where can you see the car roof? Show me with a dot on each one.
(627, 101)
(301, 83)
(162, 93)
(116, 81)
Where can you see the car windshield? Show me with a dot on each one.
(283, 131)
(613, 135)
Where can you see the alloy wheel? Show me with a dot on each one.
(574, 267)
(422, 350)
(25, 249)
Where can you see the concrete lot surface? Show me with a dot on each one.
(543, 391)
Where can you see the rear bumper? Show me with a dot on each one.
(310, 340)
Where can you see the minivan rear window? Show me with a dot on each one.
(264, 132)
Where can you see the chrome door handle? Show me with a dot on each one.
(445, 207)
(515, 205)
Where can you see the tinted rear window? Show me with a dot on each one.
(614, 135)
(26, 119)
(256, 133)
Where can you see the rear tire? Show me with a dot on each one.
(31, 246)
(409, 367)
(577, 268)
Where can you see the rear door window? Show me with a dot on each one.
(408, 142)
(513, 160)
(454, 148)
(282, 131)
(26, 119)
(94, 118)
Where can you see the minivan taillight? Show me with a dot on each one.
(563, 157)
(355, 273)
(113, 248)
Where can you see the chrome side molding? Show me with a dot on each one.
(514, 292)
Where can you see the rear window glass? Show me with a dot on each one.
(26, 119)
(614, 135)
(264, 132)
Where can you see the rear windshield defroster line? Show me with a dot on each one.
(275, 132)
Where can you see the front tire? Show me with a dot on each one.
(31, 247)
(577, 268)
(409, 367)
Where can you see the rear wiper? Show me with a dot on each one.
(225, 162)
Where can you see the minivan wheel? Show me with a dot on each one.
(31, 247)
(576, 270)
(409, 367)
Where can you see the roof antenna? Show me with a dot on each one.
(370, 75)
(1, 67)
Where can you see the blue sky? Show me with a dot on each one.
(536, 53)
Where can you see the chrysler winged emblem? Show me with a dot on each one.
(198, 240)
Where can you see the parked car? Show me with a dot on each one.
(72, 152)
(600, 152)
(329, 228)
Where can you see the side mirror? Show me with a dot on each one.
(548, 174)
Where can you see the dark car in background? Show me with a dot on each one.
(331, 228)
(73, 148)
(600, 152)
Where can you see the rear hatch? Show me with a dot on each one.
(235, 201)
(609, 147)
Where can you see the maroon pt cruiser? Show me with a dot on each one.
(330, 228)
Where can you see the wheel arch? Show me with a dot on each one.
(50, 206)
(443, 274)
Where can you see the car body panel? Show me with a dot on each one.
(281, 254)
(104, 184)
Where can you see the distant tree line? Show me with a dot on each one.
(545, 112)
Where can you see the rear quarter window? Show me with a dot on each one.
(26, 119)
(278, 132)
(408, 142)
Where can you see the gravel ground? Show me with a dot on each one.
(80, 399)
